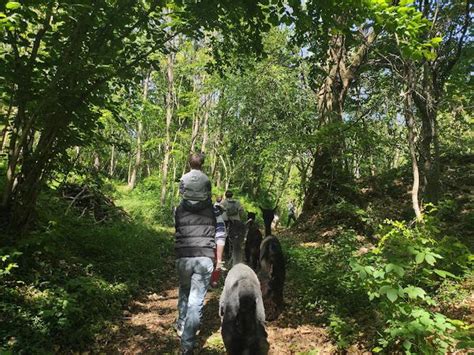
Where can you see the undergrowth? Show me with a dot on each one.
(396, 296)
(67, 280)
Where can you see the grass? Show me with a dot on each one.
(72, 277)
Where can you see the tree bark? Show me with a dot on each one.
(426, 103)
(205, 127)
(138, 155)
(96, 161)
(410, 122)
(342, 68)
(31, 177)
(112, 161)
(7, 125)
(169, 116)
(129, 175)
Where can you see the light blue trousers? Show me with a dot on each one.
(194, 276)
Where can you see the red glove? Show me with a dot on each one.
(216, 274)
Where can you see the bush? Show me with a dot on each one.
(401, 276)
(321, 279)
(66, 281)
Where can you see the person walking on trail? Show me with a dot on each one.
(234, 214)
(291, 213)
(200, 238)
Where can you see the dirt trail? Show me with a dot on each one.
(147, 328)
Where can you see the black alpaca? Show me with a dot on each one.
(268, 216)
(252, 242)
(272, 276)
(242, 313)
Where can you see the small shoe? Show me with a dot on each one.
(179, 330)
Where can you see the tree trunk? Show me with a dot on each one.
(328, 168)
(96, 161)
(129, 175)
(284, 182)
(112, 161)
(410, 122)
(169, 116)
(427, 109)
(138, 155)
(194, 132)
(226, 173)
(7, 125)
(205, 127)
(31, 177)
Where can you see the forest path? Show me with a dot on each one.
(147, 328)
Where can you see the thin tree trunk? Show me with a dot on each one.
(169, 116)
(429, 154)
(226, 173)
(138, 155)
(194, 132)
(96, 161)
(7, 125)
(129, 175)
(32, 174)
(15, 150)
(213, 163)
(410, 122)
(112, 161)
(205, 128)
(284, 182)
(196, 119)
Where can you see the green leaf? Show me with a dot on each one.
(444, 274)
(392, 294)
(379, 274)
(430, 259)
(414, 292)
(12, 5)
(420, 257)
(396, 268)
(407, 344)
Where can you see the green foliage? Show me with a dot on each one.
(7, 263)
(143, 203)
(401, 276)
(65, 282)
(399, 294)
(321, 278)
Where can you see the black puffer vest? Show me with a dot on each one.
(195, 232)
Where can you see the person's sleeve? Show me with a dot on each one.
(175, 215)
(209, 186)
(241, 212)
(181, 186)
(220, 230)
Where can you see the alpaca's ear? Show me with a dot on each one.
(274, 210)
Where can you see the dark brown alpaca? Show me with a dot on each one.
(272, 276)
(252, 242)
